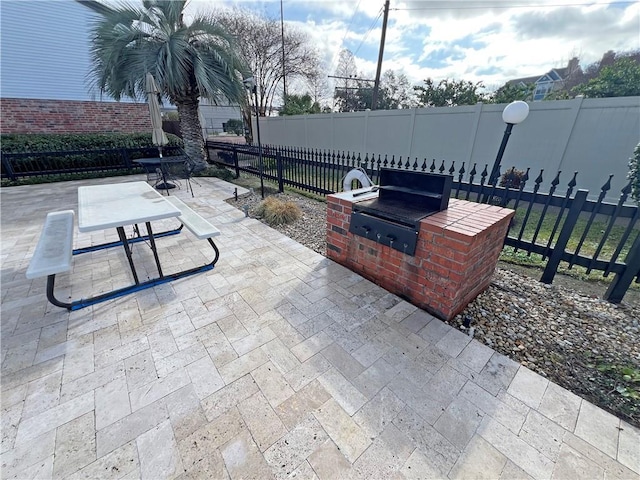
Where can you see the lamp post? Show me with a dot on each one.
(250, 84)
(512, 114)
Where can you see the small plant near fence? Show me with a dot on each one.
(276, 212)
(634, 174)
(512, 178)
(215, 171)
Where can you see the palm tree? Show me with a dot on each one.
(187, 61)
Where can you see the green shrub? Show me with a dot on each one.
(234, 126)
(634, 174)
(63, 165)
(276, 212)
(512, 178)
(23, 142)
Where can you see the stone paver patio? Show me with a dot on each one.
(278, 363)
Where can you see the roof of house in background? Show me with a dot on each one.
(555, 74)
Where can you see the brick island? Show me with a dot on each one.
(456, 254)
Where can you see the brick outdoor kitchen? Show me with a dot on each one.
(456, 254)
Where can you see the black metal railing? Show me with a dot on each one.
(557, 227)
(554, 226)
(47, 164)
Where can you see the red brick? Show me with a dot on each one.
(452, 263)
(459, 243)
(66, 116)
(427, 226)
(338, 243)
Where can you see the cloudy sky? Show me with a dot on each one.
(478, 40)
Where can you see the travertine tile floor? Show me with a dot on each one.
(278, 363)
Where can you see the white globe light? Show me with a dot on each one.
(515, 112)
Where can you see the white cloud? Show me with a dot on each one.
(476, 40)
(344, 9)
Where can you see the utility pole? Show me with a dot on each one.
(284, 72)
(376, 87)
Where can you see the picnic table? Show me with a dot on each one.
(103, 207)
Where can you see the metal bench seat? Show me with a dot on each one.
(54, 250)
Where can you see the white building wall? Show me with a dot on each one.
(45, 54)
(46, 50)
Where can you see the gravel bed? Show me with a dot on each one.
(576, 340)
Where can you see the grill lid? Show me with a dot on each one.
(406, 197)
(393, 210)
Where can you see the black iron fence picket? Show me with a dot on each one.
(46, 164)
(569, 215)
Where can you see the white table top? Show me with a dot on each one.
(115, 205)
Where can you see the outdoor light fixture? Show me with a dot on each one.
(512, 114)
(251, 86)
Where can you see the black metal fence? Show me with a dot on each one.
(41, 165)
(563, 228)
(306, 170)
(558, 227)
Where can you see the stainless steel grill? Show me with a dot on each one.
(404, 198)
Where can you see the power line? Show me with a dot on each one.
(350, 22)
(353, 88)
(538, 5)
(347, 31)
(350, 78)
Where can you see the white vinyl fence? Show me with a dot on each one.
(595, 137)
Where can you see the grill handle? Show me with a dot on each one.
(371, 190)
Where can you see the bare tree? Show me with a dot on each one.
(347, 84)
(259, 40)
(398, 92)
(395, 92)
(318, 87)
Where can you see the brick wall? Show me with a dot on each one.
(456, 254)
(67, 116)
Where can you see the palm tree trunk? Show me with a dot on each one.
(191, 130)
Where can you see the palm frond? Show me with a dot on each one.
(196, 60)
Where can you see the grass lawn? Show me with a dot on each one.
(589, 246)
